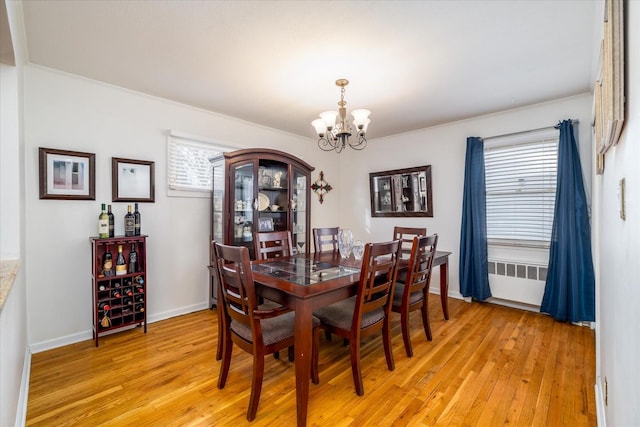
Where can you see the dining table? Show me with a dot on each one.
(307, 281)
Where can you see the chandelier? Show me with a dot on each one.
(334, 130)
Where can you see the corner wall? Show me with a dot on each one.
(72, 113)
(443, 147)
(618, 251)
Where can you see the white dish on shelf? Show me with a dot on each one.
(263, 201)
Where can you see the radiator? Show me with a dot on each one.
(517, 281)
(518, 270)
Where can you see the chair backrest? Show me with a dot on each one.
(272, 244)
(420, 262)
(325, 236)
(233, 269)
(377, 279)
(405, 235)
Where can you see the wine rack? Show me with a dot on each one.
(119, 301)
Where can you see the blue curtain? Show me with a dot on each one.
(569, 293)
(474, 274)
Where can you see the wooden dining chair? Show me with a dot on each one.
(325, 236)
(413, 293)
(273, 244)
(369, 310)
(405, 235)
(219, 307)
(254, 329)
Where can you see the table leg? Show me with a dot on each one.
(444, 289)
(303, 348)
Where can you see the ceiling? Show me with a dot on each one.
(414, 64)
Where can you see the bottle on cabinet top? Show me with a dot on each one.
(129, 223)
(121, 264)
(112, 228)
(136, 221)
(103, 223)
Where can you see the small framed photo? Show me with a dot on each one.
(132, 180)
(67, 175)
(265, 224)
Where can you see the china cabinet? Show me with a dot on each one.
(256, 190)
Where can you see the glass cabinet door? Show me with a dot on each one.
(273, 196)
(217, 201)
(299, 207)
(243, 204)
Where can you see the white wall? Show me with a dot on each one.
(9, 164)
(66, 112)
(618, 326)
(443, 147)
(13, 313)
(14, 355)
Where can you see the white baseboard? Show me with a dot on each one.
(88, 334)
(23, 398)
(601, 416)
(177, 312)
(514, 304)
(436, 290)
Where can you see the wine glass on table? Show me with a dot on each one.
(345, 242)
(300, 246)
(358, 249)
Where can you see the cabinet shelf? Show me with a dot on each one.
(128, 307)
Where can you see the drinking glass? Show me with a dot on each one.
(358, 249)
(345, 241)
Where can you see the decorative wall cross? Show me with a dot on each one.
(321, 187)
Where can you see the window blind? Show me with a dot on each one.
(188, 163)
(521, 188)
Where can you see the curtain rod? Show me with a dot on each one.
(556, 126)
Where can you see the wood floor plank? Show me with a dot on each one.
(487, 365)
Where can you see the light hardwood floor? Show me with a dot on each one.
(486, 366)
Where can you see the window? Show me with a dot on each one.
(520, 172)
(189, 171)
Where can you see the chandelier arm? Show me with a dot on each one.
(326, 144)
(360, 145)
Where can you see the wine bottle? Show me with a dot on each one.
(103, 223)
(128, 291)
(116, 294)
(103, 306)
(139, 308)
(129, 222)
(136, 221)
(139, 298)
(107, 263)
(121, 264)
(127, 301)
(133, 259)
(112, 227)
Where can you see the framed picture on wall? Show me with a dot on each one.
(67, 175)
(132, 180)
